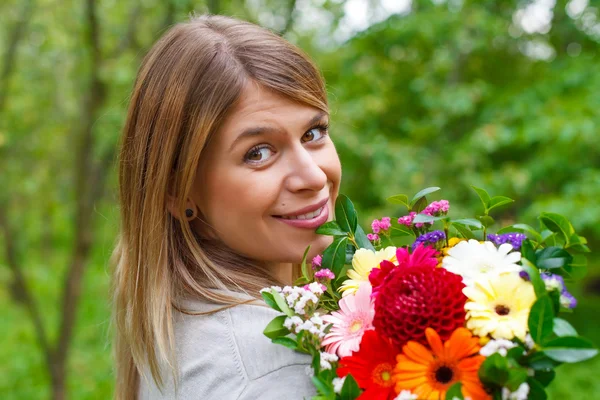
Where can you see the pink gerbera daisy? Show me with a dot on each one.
(350, 322)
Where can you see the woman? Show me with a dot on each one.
(226, 170)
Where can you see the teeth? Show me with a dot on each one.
(309, 215)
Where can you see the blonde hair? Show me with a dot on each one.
(185, 86)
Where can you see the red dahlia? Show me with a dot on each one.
(411, 299)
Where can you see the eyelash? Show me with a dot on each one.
(321, 126)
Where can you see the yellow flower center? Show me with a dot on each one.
(356, 325)
(382, 375)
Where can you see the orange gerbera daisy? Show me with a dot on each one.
(430, 373)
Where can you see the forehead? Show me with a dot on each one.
(258, 105)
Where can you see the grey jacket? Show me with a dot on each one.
(225, 356)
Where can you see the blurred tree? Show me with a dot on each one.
(450, 93)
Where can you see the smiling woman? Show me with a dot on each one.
(226, 171)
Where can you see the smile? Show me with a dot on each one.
(307, 218)
(309, 215)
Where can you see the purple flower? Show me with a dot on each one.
(514, 238)
(556, 282)
(553, 282)
(567, 300)
(429, 238)
(524, 275)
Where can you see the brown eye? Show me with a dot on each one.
(258, 154)
(314, 134)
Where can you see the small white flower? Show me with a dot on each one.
(520, 394)
(327, 359)
(406, 395)
(553, 284)
(315, 287)
(529, 343)
(500, 346)
(338, 384)
(473, 260)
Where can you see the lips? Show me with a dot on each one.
(310, 217)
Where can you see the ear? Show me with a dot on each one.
(190, 212)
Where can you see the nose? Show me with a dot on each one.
(305, 173)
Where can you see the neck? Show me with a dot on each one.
(282, 272)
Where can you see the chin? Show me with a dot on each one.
(318, 246)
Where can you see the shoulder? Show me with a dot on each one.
(256, 351)
(225, 354)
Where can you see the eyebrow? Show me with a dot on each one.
(260, 130)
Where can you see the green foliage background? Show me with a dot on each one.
(451, 94)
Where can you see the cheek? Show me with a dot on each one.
(239, 195)
(330, 164)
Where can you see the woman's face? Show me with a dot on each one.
(269, 178)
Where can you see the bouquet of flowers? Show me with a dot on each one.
(431, 307)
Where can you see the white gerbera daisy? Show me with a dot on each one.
(473, 260)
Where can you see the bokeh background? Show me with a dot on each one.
(502, 94)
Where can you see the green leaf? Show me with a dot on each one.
(570, 349)
(419, 205)
(350, 389)
(455, 392)
(548, 237)
(553, 258)
(463, 230)
(540, 361)
(323, 387)
(524, 228)
(399, 199)
(577, 269)
(345, 214)
(516, 376)
(527, 251)
(484, 196)
(544, 376)
(578, 244)
(486, 220)
(534, 276)
(469, 222)
(494, 370)
(331, 228)
(424, 218)
(536, 390)
(498, 201)
(541, 319)
(334, 256)
(401, 230)
(516, 353)
(275, 328)
(306, 272)
(268, 298)
(563, 328)
(285, 341)
(361, 239)
(422, 194)
(281, 303)
(558, 224)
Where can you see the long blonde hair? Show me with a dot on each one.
(185, 86)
